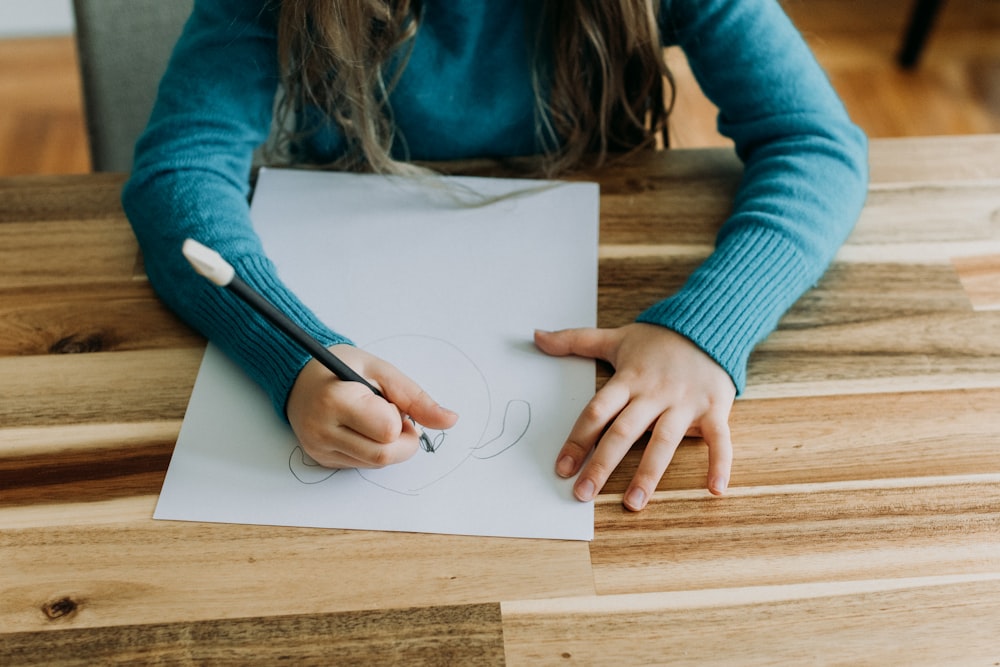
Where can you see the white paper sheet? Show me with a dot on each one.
(446, 281)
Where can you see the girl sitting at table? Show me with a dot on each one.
(377, 84)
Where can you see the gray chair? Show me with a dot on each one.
(123, 48)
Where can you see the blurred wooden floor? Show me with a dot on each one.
(955, 89)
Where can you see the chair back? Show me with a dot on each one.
(123, 46)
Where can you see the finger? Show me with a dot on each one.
(412, 400)
(364, 413)
(623, 432)
(715, 430)
(663, 442)
(334, 459)
(586, 342)
(342, 447)
(587, 430)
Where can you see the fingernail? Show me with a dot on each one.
(718, 485)
(585, 490)
(565, 466)
(635, 499)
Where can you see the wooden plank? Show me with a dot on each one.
(889, 528)
(74, 197)
(66, 252)
(440, 635)
(629, 285)
(935, 621)
(980, 276)
(848, 293)
(75, 440)
(100, 387)
(113, 566)
(63, 464)
(859, 291)
(140, 474)
(933, 212)
(935, 159)
(653, 199)
(946, 335)
(850, 334)
(922, 353)
(88, 317)
(842, 438)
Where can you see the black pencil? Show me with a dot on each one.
(211, 265)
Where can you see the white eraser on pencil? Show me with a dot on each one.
(208, 263)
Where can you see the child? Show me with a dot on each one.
(376, 83)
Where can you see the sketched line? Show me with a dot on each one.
(383, 486)
(503, 428)
(299, 453)
(301, 457)
(473, 450)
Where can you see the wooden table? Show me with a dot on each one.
(863, 523)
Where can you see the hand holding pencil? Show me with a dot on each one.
(344, 425)
(348, 408)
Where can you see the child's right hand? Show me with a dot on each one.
(344, 425)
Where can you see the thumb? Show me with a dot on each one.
(584, 342)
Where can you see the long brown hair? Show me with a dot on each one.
(609, 87)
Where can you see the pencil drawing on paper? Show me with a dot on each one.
(452, 377)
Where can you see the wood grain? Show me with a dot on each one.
(689, 540)
(48, 198)
(457, 635)
(930, 213)
(80, 463)
(929, 621)
(935, 159)
(88, 317)
(980, 276)
(844, 437)
(862, 524)
(118, 567)
(97, 387)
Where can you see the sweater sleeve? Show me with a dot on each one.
(191, 179)
(804, 182)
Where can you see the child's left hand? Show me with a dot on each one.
(663, 383)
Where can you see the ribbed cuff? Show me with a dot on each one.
(265, 353)
(736, 297)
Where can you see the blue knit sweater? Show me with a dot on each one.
(466, 92)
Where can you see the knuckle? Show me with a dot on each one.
(599, 471)
(647, 479)
(388, 432)
(624, 428)
(715, 430)
(594, 411)
(575, 449)
(381, 458)
(650, 472)
(604, 405)
(665, 437)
